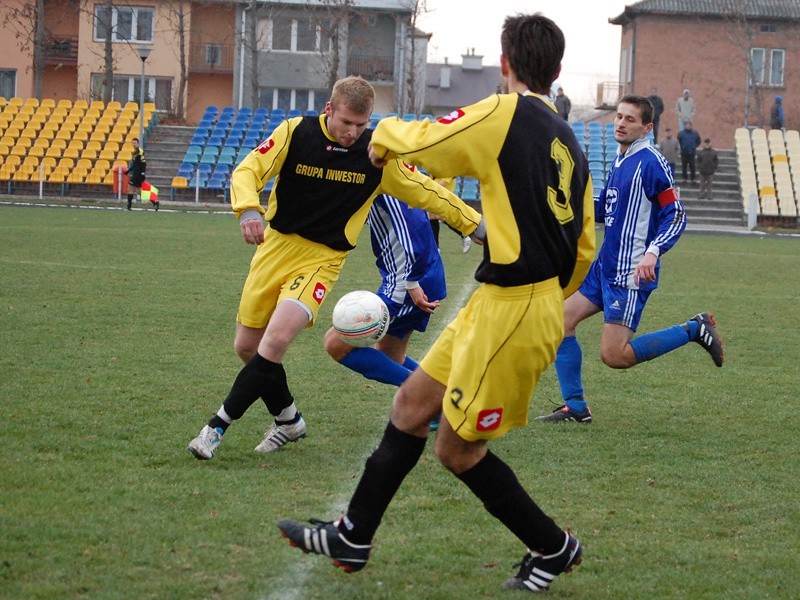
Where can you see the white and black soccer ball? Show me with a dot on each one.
(360, 318)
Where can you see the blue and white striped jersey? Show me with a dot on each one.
(641, 211)
(405, 250)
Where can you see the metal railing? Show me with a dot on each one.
(372, 68)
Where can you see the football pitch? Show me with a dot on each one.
(117, 333)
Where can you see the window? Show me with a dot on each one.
(128, 24)
(8, 83)
(776, 60)
(293, 35)
(125, 88)
(764, 73)
(288, 99)
(213, 55)
(757, 56)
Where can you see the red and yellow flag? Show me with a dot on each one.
(149, 192)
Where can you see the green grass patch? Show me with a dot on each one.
(117, 334)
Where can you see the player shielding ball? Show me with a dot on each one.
(412, 285)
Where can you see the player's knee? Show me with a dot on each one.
(334, 345)
(616, 358)
(244, 350)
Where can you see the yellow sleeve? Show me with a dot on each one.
(586, 243)
(409, 185)
(258, 167)
(465, 142)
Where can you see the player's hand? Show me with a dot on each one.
(252, 231)
(421, 300)
(479, 235)
(376, 159)
(646, 269)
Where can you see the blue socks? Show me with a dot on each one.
(569, 360)
(374, 364)
(653, 345)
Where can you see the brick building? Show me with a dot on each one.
(733, 56)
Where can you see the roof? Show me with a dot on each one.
(752, 9)
(389, 5)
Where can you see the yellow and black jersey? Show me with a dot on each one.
(536, 191)
(323, 191)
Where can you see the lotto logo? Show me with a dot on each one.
(265, 146)
(319, 293)
(453, 116)
(411, 168)
(489, 419)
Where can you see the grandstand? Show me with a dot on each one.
(66, 146)
(769, 168)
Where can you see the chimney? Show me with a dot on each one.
(471, 61)
(444, 76)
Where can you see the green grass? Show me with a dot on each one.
(116, 347)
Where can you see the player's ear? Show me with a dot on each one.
(503, 65)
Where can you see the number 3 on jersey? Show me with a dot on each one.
(566, 165)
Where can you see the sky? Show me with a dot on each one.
(592, 51)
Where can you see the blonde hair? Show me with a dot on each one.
(355, 93)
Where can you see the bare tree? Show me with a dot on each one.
(176, 12)
(26, 23)
(413, 99)
(106, 22)
(332, 22)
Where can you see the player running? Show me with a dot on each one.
(643, 219)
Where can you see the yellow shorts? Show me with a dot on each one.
(283, 267)
(492, 355)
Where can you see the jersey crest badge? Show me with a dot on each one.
(489, 419)
(265, 146)
(452, 117)
(319, 293)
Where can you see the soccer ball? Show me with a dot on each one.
(360, 318)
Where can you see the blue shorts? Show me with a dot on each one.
(407, 316)
(620, 305)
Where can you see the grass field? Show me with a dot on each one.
(117, 333)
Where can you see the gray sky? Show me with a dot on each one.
(592, 53)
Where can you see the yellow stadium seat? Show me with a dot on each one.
(90, 154)
(180, 183)
(60, 113)
(64, 103)
(64, 135)
(71, 153)
(111, 145)
(77, 144)
(41, 142)
(20, 175)
(84, 163)
(97, 104)
(5, 149)
(80, 104)
(31, 160)
(66, 163)
(119, 163)
(12, 132)
(93, 111)
(103, 128)
(94, 179)
(98, 136)
(85, 127)
(12, 161)
(107, 155)
(36, 151)
(133, 106)
(94, 145)
(7, 140)
(116, 138)
(125, 155)
(49, 162)
(54, 152)
(109, 178)
(25, 142)
(56, 177)
(114, 105)
(15, 101)
(47, 103)
(61, 144)
(80, 136)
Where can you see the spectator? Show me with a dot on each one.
(670, 148)
(685, 109)
(563, 105)
(776, 114)
(707, 163)
(658, 108)
(689, 140)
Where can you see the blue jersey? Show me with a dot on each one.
(405, 251)
(641, 211)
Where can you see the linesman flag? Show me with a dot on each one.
(149, 192)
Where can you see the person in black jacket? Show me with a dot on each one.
(136, 168)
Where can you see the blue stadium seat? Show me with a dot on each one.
(215, 141)
(261, 111)
(226, 160)
(470, 189)
(409, 117)
(191, 158)
(278, 112)
(211, 111)
(186, 170)
(390, 115)
(424, 116)
(593, 156)
(227, 151)
(312, 112)
(294, 113)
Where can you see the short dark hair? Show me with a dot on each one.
(644, 106)
(533, 46)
